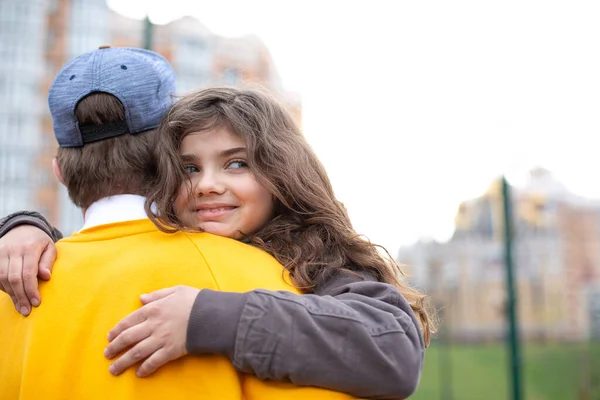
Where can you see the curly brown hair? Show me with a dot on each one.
(311, 233)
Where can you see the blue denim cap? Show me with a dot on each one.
(142, 80)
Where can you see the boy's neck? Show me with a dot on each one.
(112, 209)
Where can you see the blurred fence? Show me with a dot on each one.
(556, 257)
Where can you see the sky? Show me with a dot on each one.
(415, 106)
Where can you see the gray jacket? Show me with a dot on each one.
(353, 335)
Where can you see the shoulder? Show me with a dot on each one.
(213, 245)
(240, 267)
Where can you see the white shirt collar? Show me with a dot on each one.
(119, 208)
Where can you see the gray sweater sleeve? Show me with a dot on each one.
(29, 218)
(355, 335)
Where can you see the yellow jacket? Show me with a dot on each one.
(57, 352)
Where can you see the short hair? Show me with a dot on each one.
(123, 164)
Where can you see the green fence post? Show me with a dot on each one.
(513, 336)
(147, 33)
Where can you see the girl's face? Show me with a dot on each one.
(226, 199)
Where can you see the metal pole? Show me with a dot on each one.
(148, 27)
(513, 336)
(446, 390)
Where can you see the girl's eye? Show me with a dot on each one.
(190, 169)
(237, 164)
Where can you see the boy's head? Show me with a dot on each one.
(100, 103)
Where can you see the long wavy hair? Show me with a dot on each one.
(310, 233)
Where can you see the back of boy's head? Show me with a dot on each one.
(100, 103)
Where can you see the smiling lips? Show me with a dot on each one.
(213, 210)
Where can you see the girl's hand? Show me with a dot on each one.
(154, 334)
(26, 254)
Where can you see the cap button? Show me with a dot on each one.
(104, 47)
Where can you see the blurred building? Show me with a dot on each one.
(22, 73)
(556, 257)
(37, 37)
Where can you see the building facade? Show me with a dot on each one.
(556, 258)
(22, 73)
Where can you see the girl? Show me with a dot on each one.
(233, 163)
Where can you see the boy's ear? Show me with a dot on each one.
(56, 170)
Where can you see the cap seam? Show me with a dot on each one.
(150, 64)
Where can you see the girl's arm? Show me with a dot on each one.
(353, 335)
